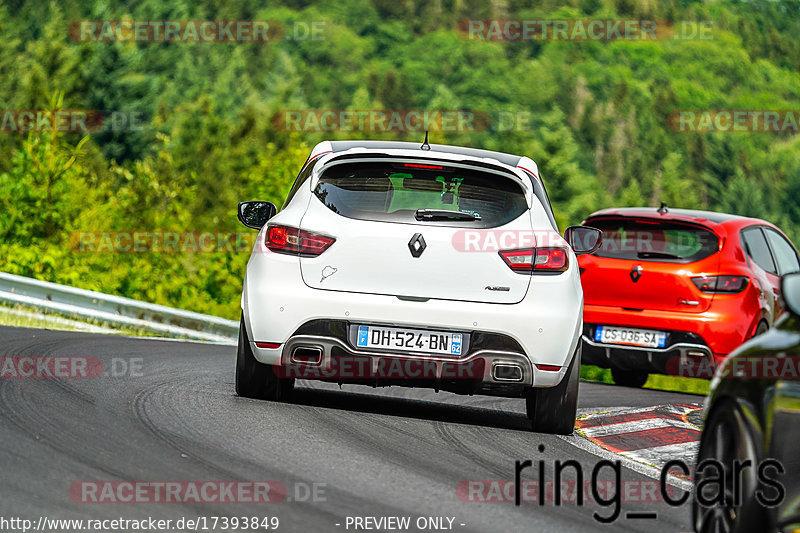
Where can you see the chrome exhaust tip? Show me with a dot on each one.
(307, 355)
(507, 372)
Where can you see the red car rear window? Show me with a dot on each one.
(643, 240)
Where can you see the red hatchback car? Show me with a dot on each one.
(672, 290)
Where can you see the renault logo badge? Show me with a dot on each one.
(636, 273)
(417, 244)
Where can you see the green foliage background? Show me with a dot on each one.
(597, 125)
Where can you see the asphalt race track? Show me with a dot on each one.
(370, 452)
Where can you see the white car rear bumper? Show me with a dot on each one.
(546, 324)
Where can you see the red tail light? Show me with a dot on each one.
(536, 260)
(728, 284)
(429, 167)
(286, 240)
(270, 345)
(548, 368)
(551, 259)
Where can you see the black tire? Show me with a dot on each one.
(553, 410)
(762, 328)
(257, 380)
(728, 438)
(629, 378)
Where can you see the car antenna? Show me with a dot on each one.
(663, 209)
(425, 145)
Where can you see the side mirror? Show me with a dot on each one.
(583, 239)
(255, 214)
(790, 290)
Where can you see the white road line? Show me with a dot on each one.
(648, 461)
(624, 427)
(646, 469)
(612, 411)
(630, 427)
(665, 453)
(685, 451)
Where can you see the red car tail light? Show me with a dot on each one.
(725, 284)
(534, 260)
(286, 240)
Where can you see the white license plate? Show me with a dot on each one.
(631, 337)
(410, 340)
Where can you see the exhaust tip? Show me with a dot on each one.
(311, 355)
(507, 372)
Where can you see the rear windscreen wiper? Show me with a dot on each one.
(657, 255)
(438, 214)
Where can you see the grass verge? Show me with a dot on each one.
(22, 317)
(655, 381)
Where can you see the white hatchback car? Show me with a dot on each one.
(434, 266)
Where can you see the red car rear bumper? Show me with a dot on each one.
(717, 332)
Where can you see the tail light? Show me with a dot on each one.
(548, 368)
(727, 284)
(286, 240)
(428, 167)
(270, 345)
(534, 260)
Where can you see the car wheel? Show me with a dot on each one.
(553, 410)
(257, 380)
(629, 378)
(727, 441)
(762, 328)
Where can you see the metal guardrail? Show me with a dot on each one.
(114, 310)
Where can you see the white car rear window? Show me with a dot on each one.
(396, 191)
